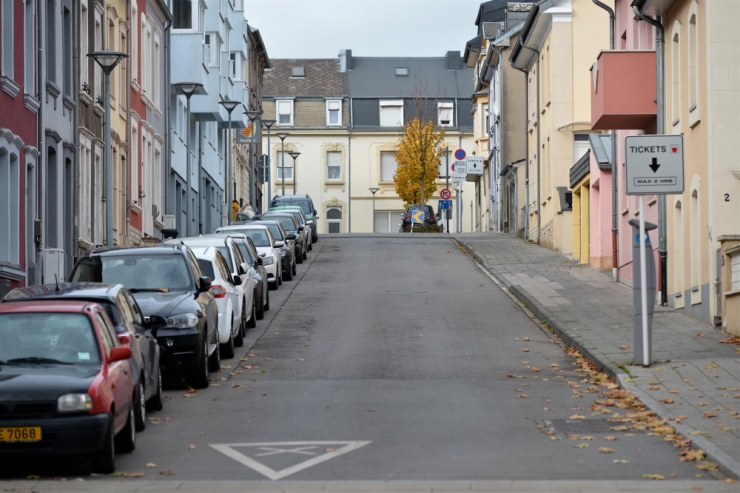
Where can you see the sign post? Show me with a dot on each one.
(653, 165)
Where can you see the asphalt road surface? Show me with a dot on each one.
(393, 359)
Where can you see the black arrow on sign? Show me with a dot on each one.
(655, 165)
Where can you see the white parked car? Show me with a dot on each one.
(223, 288)
(237, 265)
(265, 244)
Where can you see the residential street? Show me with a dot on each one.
(395, 360)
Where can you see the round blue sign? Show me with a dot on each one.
(460, 154)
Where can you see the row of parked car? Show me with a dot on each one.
(81, 362)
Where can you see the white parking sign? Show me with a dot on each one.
(654, 164)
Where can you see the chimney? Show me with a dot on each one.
(345, 60)
(454, 60)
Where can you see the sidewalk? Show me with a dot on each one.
(593, 313)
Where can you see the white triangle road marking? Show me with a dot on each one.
(272, 448)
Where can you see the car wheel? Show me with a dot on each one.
(267, 303)
(305, 251)
(299, 256)
(126, 440)
(156, 402)
(310, 245)
(280, 279)
(239, 338)
(260, 314)
(214, 362)
(227, 349)
(289, 273)
(104, 461)
(252, 322)
(200, 375)
(140, 406)
(273, 286)
(295, 270)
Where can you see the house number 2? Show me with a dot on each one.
(727, 197)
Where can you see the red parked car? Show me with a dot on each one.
(66, 384)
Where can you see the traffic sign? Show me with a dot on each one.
(445, 204)
(460, 169)
(460, 154)
(417, 217)
(445, 193)
(654, 164)
(475, 165)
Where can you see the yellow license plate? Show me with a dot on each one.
(20, 434)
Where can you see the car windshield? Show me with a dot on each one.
(304, 204)
(275, 230)
(259, 236)
(142, 272)
(246, 253)
(47, 338)
(286, 222)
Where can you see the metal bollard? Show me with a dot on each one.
(637, 332)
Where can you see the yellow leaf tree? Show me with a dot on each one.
(419, 150)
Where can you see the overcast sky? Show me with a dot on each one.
(320, 28)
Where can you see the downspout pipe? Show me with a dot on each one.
(526, 151)
(539, 183)
(76, 129)
(613, 139)
(660, 96)
(168, 195)
(500, 140)
(349, 169)
(43, 153)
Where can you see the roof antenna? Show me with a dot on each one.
(56, 277)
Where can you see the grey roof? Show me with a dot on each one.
(580, 169)
(374, 77)
(322, 78)
(602, 148)
(491, 29)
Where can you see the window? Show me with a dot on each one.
(157, 175)
(333, 165)
(334, 220)
(7, 38)
(98, 45)
(443, 165)
(135, 43)
(51, 42)
(134, 162)
(122, 67)
(444, 114)
(387, 165)
(156, 71)
(334, 113)
(486, 120)
(676, 75)
(182, 12)
(402, 71)
(111, 40)
(678, 248)
(693, 65)
(232, 66)
(391, 113)
(9, 207)
(29, 47)
(695, 245)
(287, 170)
(284, 108)
(298, 72)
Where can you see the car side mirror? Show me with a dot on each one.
(315, 213)
(156, 322)
(291, 237)
(279, 244)
(237, 280)
(205, 284)
(259, 261)
(124, 338)
(119, 353)
(301, 228)
(243, 268)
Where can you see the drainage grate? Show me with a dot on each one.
(572, 426)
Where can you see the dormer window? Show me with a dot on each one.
(298, 72)
(402, 71)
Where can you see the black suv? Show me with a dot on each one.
(166, 281)
(131, 327)
(306, 204)
(429, 216)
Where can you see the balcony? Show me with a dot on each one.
(207, 108)
(184, 67)
(623, 91)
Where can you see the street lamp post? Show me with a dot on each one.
(282, 136)
(107, 60)
(252, 115)
(226, 211)
(188, 89)
(294, 155)
(373, 190)
(268, 164)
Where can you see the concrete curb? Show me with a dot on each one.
(725, 461)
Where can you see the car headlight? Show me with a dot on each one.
(267, 260)
(184, 321)
(74, 403)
